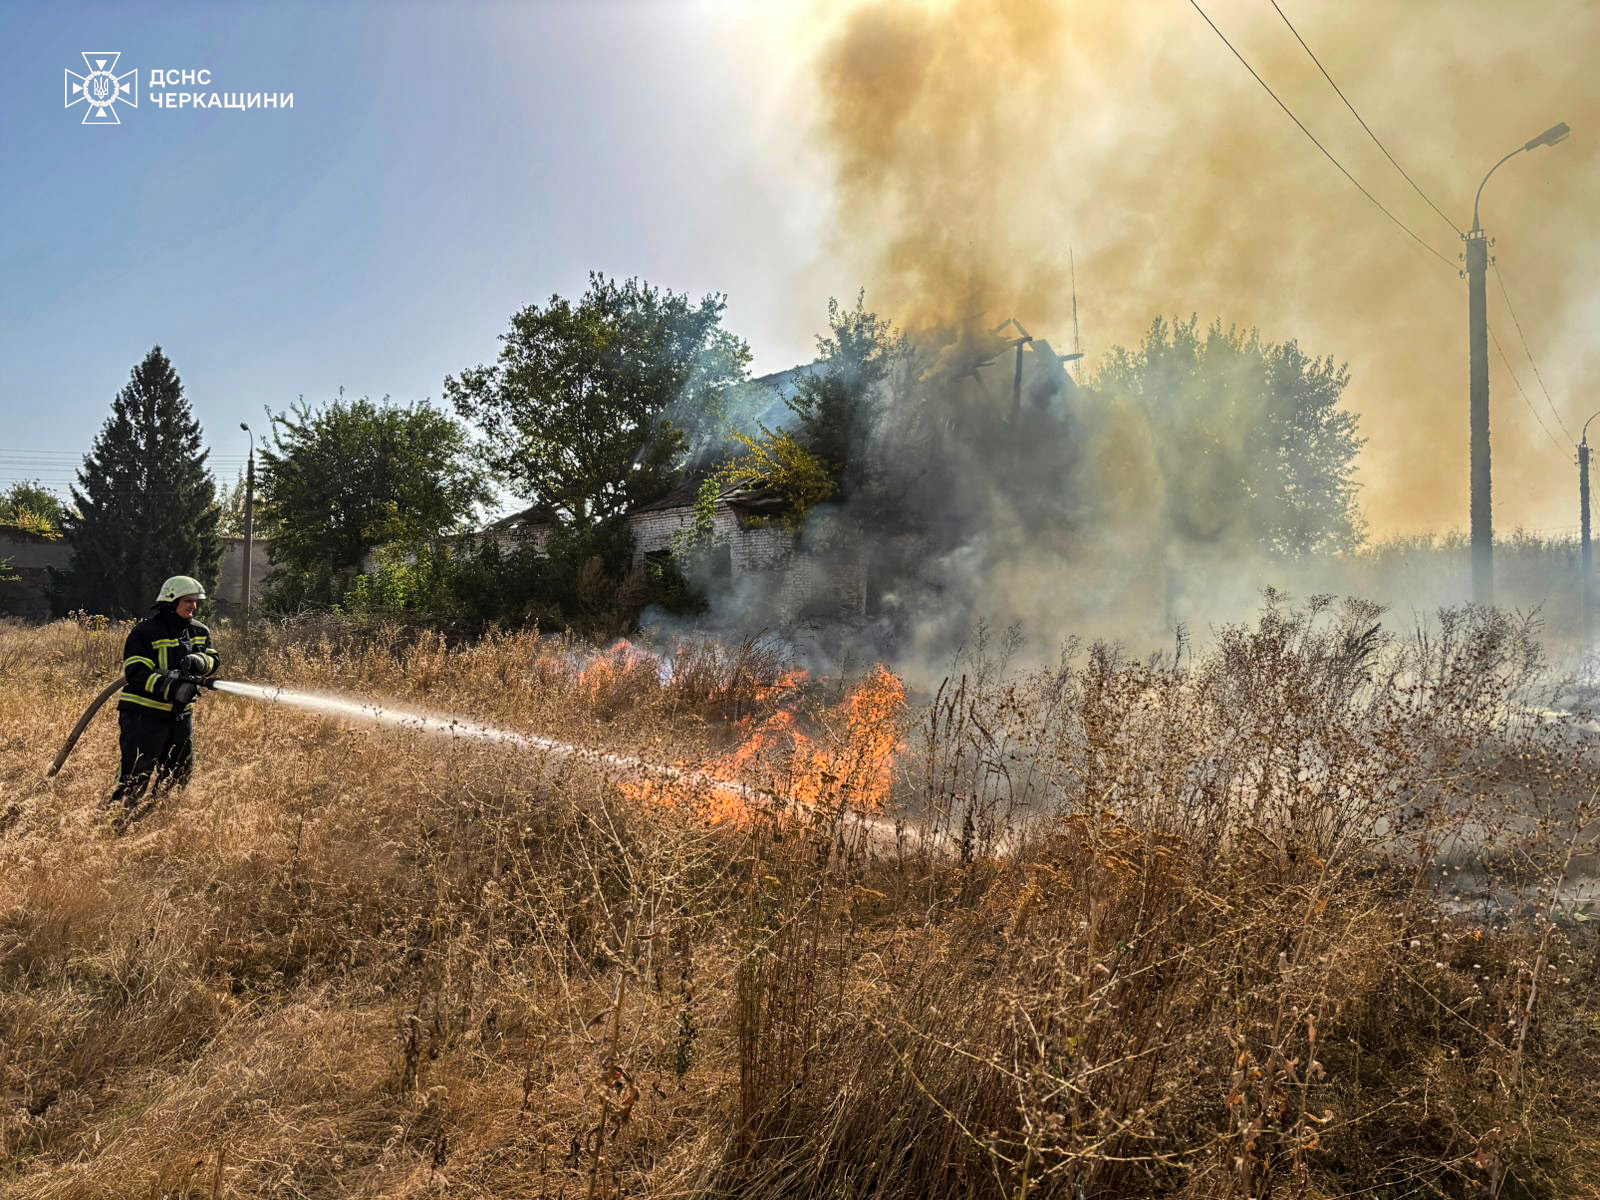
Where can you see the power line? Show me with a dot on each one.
(61, 488)
(1553, 440)
(53, 482)
(1401, 225)
(1502, 280)
(1364, 125)
(16, 467)
(58, 465)
(52, 453)
(46, 453)
(23, 458)
(57, 482)
(1379, 206)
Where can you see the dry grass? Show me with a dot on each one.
(1231, 957)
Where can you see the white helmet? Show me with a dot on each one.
(181, 585)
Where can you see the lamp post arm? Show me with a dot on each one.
(1492, 170)
(1584, 440)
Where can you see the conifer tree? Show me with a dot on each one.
(146, 504)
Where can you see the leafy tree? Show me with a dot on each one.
(230, 509)
(337, 482)
(29, 506)
(1248, 435)
(145, 503)
(584, 581)
(778, 460)
(835, 406)
(836, 401)
(418, 582)
(591, 404)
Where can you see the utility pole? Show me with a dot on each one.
(1478, 378)
(1583, 503)
(1077, 347)
(1016, 383)
(249, 528)
(1024, 338)
(1585, 561)
(1478, 386)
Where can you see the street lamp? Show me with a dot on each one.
(1556, 133)
(249, 527)
(1478, 378)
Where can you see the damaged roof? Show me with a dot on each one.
(744, 498)
(528, 518)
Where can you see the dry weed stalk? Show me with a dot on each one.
(1294, 917)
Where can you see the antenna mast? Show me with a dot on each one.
(1077, 346)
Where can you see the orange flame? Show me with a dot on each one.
(785, 684)
(614, 669)
(850, 765)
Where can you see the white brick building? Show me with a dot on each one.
(530, 527)
(819, 574)
(793, 578)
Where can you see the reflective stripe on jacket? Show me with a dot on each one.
(155, 646)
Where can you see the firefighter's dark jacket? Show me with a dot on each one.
(157, 645)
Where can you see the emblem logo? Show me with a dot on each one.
(102, 88)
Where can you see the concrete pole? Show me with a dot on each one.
(1016, 383)
(249, 536)
(1478, 342)
(1583, 524)
(1478, 388)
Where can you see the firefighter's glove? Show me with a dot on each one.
(195, 664)
(179, 690)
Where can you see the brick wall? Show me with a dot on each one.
(33, 556)
(803, 587)
(537, 536)
(752, 548)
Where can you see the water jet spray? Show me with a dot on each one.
(335, 706)
(880, 828)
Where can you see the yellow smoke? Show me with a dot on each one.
(971, 142)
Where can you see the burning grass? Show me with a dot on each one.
(1292, 919)
(779, 772)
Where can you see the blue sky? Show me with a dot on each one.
(442, 166)
(446, 164)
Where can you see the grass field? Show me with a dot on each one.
(1227, 959)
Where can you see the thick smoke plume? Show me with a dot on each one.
(975, 141)
(975, 144)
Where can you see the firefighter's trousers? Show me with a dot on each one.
(153, 745)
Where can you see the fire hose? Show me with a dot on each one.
(174, 677)
(881, 828)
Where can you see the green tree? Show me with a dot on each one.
(339, 481)
(583, 580)
(1249, 435)
(835, 407)
(774, 459)
(230, 508)
(591, 404)
(29, 506)
(836, 402)
(145, 503)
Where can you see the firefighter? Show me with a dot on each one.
(163, 656)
